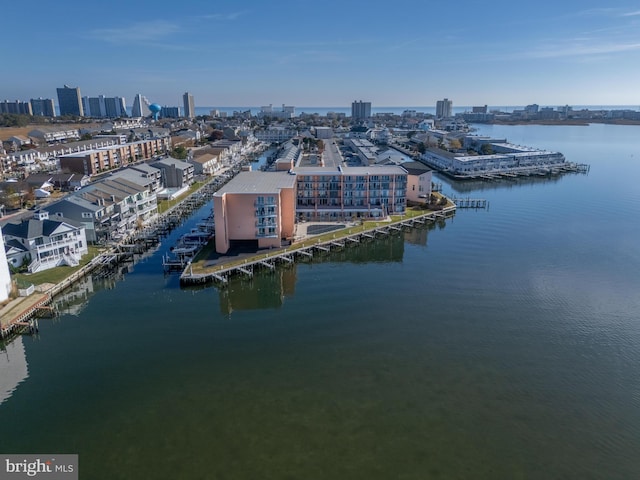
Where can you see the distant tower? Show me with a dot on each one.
(140, 106)
(189, 105)
(70, 102)
(360, 111)
(43, 107)
(5, 277)
(444, 108)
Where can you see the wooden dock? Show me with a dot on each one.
(221, 275)
(470, 202)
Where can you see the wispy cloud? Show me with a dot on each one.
(222, 16)
(143, 32)
(581, 50)
(597, 12)
(631, 14)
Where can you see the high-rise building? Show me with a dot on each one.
(70, 101)
(115, 107)
(104, 107)
(189, 105)
(170, 112)
(140, 106)
(360, 110)
(444, 108)
(43, 107)
(17, 107)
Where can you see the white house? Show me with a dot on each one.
(45, 242)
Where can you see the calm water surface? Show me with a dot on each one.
(504, 343)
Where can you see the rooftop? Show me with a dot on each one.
(258, 182)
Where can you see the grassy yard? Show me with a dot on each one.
(164, 205)
(57, 274)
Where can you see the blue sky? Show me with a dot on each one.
(329, 53)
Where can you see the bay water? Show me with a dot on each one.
(503, 343)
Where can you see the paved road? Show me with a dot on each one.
(331, 155)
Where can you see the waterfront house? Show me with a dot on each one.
(127, 205)
(204, 162)
(74, 207)
(46, 242)
(109, 209)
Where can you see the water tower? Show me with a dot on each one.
(155, 110)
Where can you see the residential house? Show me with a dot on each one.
(91, 216)
(205, 163)
(45, 242)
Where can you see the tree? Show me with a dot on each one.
(421, 147)
(216, 135)
(179, 152)
(454, 144)
(486, 149)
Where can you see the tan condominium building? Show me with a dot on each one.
(91, 162)
(256, 207)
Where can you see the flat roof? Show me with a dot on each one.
(258, 182)
(370, 170)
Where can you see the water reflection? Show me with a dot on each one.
(13, 368)
(269, 289)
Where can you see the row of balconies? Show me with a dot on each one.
(266, 233)
(265, 203)
(55, 245)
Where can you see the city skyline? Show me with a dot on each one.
(550, 53)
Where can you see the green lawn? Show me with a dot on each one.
(57, 274)
(164, 205)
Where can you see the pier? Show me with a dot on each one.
(220, 276)
(519, 172)
(470, 202)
